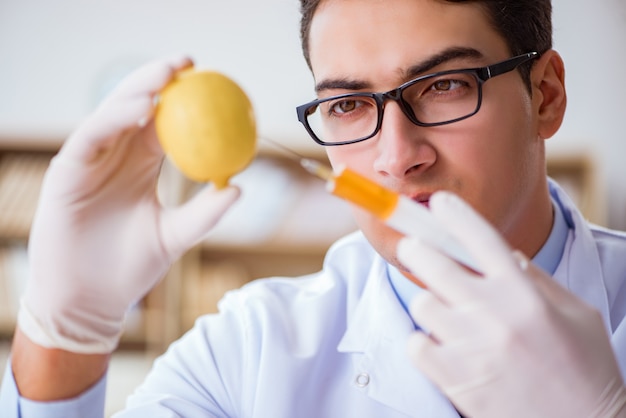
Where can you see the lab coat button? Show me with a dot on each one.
(362, 380)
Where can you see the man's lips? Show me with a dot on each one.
(423, 199)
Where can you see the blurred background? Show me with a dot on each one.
(58, 59)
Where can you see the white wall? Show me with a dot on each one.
(56, 59)
(591, 36)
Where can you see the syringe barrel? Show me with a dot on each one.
(399, 212)
(363, 192)
(413, 219)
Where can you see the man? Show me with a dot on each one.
(480, 92)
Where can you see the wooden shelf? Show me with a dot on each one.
(21, 175)
(282, 226)
(30, 144)
(577, 174)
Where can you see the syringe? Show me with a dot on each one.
(395, 210)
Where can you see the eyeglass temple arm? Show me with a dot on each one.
(506, 66)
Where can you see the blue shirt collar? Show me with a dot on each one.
(547, 258)
(550, 254)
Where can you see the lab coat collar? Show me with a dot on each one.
(377, 335)
(580, 269)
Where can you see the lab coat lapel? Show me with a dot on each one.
(377, 334)
(580, 269)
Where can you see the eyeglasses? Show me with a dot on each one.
(430, 100)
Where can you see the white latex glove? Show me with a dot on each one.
(101, 239)
(511, 343)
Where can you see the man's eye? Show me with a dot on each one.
(447, 85)
(344, 106)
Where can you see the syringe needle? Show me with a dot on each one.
(313, 167)
(317, 169)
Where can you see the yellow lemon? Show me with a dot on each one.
(206, 126)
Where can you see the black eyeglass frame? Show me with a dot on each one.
(482, 74)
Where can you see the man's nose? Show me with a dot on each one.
(402, 145)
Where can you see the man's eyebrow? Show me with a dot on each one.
(442, 57)
(340, 83)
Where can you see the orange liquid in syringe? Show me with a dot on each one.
(359, 190)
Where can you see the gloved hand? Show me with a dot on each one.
(511, 342)
(101, 239)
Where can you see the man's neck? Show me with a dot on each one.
(534, 224)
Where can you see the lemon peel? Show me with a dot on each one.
(206, 125)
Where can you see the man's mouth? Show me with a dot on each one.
(422, 199)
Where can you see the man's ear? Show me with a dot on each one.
(549, 97)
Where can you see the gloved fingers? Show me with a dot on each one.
(438, 363)
(185, 225)
(444, 277)
(524, 330)
(447, 366)
(476, 234)
(105, 129)
(455, 368)
(150, 78)
(129, 108)
(446, 324)
(551, 290)
(423, 352)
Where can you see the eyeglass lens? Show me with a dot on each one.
(432, 100)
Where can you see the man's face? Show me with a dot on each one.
(494, 160)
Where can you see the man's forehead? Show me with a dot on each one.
(450, 58)
(358, 36)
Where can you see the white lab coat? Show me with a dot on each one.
(327, 345)
(333, 344)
